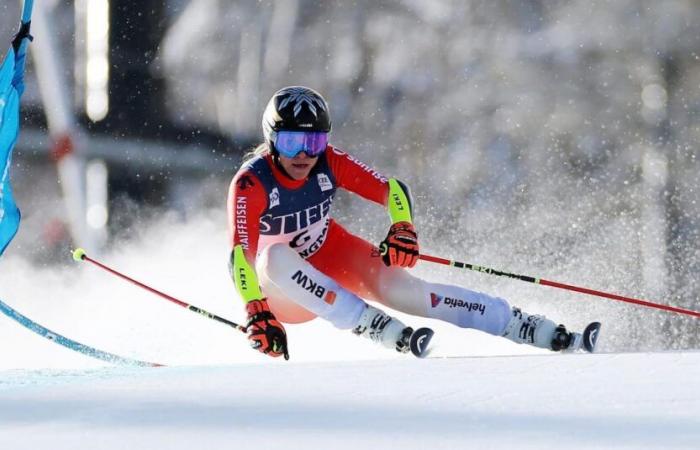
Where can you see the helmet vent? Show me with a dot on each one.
(301, 96)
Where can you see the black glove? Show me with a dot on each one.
(265, 333)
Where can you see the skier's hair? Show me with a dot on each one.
(261, 149)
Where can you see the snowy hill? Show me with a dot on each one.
(337, 390)
(640, 400)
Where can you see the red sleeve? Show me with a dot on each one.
(357, 177)
(247, 200)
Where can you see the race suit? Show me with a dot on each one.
(267, 207)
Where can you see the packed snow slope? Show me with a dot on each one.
(338, 390)
(643, 400)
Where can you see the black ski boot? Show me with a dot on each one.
(571, 342)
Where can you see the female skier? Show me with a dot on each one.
(291, 262)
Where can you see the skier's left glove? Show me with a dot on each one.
(400, 247)
(265, 333)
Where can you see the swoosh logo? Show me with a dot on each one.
(592, 337)
(419, 343)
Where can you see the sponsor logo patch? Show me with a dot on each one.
(242, 278)
(324, 182)
(297, 220)
(450, 302)
(312, 286)
(274, 198)
(242, 221)
(368, 169)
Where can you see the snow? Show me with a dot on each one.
(476, 391)
(646, 400)
(530, 125)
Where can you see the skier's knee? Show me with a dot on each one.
(277, 260)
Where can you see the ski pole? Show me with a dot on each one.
(79, 255)
(529, 279)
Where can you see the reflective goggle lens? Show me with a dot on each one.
(291, 143)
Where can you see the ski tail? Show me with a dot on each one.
(420, 340)
(590, 336)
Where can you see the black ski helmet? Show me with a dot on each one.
(295, 108)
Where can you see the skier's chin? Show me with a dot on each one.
(300, 171)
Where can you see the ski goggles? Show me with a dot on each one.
(291, 143)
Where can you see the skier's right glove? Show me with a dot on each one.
(400, 247)
(265, 333)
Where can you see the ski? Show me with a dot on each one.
(585, 341)
(590, 336)
(419, 341)
(70, 343)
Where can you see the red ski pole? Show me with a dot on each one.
(79, 255)
(568, 287)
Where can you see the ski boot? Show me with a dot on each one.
(390, 332)
(571, 342)
(541, 332)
